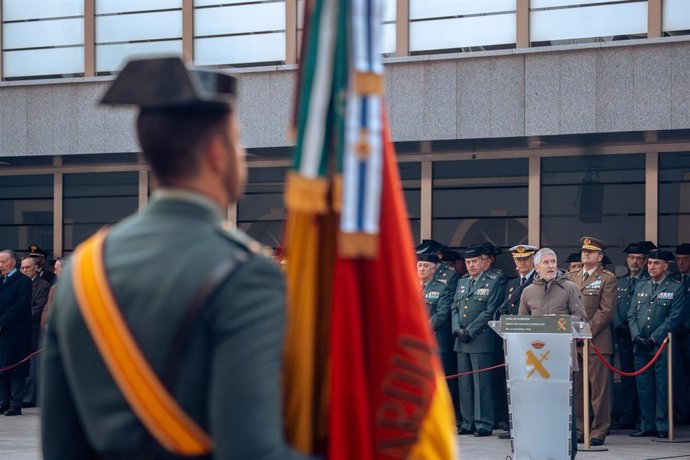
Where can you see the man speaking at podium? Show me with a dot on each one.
(551, 293)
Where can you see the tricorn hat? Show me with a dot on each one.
(166, 84)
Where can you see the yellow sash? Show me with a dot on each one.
(148, 398)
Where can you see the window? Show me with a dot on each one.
(594, 195)
(26, 212)
(261, 212)
(93, 200)
(410, 176)
(481, 200)
(674, 199)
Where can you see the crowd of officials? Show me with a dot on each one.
(629, 316)
(26, 290)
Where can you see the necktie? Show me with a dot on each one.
(471, 283)
(522, 280)
(585, 276)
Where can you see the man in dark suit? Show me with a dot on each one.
(40, 256)
(39, 297)
(15, 332)
(523, 256)
(681, 348)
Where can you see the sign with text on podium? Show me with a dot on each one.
(539, 354)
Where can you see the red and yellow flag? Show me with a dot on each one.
(362, 380)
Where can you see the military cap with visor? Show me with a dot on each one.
(659, 254)
(35, 251)
(166, 84)
(523, 250)
(590, 243)
(490, 249)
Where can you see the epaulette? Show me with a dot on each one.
(492, 275)
(237, 236)
(572, 271)
(609, 273)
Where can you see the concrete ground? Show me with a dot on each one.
(19, 440)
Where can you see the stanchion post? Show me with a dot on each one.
(585, 391)
(669, 376)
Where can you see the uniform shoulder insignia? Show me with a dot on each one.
(466, 275)
(237, 236)
(572, 271)
(492, 275)
(609, 273)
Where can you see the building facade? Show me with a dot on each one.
(514, 120)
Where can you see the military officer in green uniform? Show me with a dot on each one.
(655, 310)
(439, 289)
(210, 325)
(477, 297)
(626, 404)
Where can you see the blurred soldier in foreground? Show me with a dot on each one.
(637, 271)
(598, 289)
(209, 329)
(656, 309)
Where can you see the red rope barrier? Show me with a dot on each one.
(22, 361)
(630, 374)
(455, 376)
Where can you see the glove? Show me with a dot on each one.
(464, 336)
(644, 343)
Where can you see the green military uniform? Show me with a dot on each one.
(228, 377)
(474, 305)
(626, 404)
(655, 311)
(438, 296)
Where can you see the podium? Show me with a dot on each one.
(539, 353)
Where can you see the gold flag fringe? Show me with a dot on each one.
(368, 83)
(306, 194)
(337, 193)
(358, 245)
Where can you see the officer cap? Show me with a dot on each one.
(659, 254)
(523, 250)
(490, 249)
(35, 251)
(429, 246)
(683, 249)
(166, 84)
(641, 247)
(573, 257)
(476, 250)
(433, 258)
(591, 244)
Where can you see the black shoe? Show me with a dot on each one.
(464, 431)
(642, 434)
(482, 433)
(11, 412)
(502, 425)
(504, 435)
(662, 435)
(596, 442)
